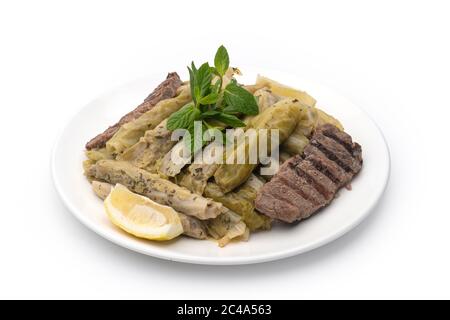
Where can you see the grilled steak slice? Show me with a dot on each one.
(288, 176)
(272, 207)
(305, 184)
(166, 90)
(328, 167)
(343, 139)
(319, 180)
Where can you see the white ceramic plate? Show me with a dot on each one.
(344, 213)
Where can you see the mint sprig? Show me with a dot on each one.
(239, 100)
(212, 103)
(221, 61)
(184, 118)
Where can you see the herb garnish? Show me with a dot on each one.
(210, 102)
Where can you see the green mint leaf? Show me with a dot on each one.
(192, 81)
(200, 81)
(229, 119)
(197, 93)
(203, 80)
(214, 71)
(239, 100)
(183, 118)
(210, 98)
(230, 110)
(209, 114)
(193, 67)
(222, 60)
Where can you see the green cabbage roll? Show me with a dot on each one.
(226, 227)
(98, 154)
(242, 202)
(151, 148)
(324, 118)
(285, 91)
(130, 133)
(196, 176)
(266, 99)
(168, 168)
(299, 138)
(310, 118)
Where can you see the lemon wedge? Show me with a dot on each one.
(141, 216)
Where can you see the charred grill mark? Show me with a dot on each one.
(286, 195)
(319, 158)
(296, 181)
(319, 187)
(314, 162)
(329, 134)
(330, 155)
(299, 191)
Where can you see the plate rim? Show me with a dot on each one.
(261, 258)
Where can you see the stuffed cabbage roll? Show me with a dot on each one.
(193, 227)
(169, 168)
(324, 118)
(241, 202)
(285, 91)
(202, 169)
(226, 227)
(299, 138)
(101, 189)
(310, 118)
(150, 149)
(196, 177)
(130, 132)
(266, 99)
(98, 154)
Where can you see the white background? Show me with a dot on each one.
(390, 57)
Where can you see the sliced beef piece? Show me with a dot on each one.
(305, 184)
(334, 133)
(357, 153)
(342, 138)
(273, 207)
(328, 167)
(284, 192)
(300, 184)
(336, 152)
(166, 90)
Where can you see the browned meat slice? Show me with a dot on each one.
(166, 90)
(334, 133)
(318, 179)
(273, 206)
(305, 184)
(300, 184)
(328, 167)
(336, 152)
(342, 138)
